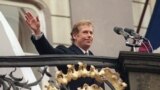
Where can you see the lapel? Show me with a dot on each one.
(90, 53)
(77, 50)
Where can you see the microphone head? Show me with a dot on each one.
(118, 30)
(133, 33)
(130, 31)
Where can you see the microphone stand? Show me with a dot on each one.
(138, 40)
(133, 45)
(138, 43)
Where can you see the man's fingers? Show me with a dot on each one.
(30, 19)
(26, 17)
(30, 15)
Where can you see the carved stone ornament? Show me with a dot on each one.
(11, 82)
(105, 75)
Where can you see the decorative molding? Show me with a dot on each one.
(105, 75)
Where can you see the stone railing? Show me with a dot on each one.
(139, 71)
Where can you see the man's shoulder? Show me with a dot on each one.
(61, 47)
(65, 49)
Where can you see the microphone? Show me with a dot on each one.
(120, 31)
(133, 33)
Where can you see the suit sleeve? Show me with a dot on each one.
(44, 47)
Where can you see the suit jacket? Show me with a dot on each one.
(43, 47)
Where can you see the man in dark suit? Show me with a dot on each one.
(82, 37)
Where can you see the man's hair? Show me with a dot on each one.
(75, 29)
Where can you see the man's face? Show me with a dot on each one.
(84, 37)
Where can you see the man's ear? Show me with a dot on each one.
(74, 36)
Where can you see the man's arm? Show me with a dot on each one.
(44, 47)
(41, 43)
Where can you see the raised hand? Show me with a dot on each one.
(33, 23)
